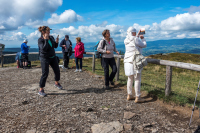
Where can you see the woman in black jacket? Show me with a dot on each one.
(46, 44)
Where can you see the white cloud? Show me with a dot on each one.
(181, 36)
(15, 13)
(184, 21)
(68, 16)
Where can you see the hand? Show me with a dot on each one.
(141, 36)
(57, 40)
(108, 52)
(117, 52)
(63, 45)
(46, 36)
(138, 33)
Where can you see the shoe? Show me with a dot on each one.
(58, 86)
(80, 70)
(41, 93)
(112, 83)
(76, 70)
(24, 67)
(107, 87)
(130, 97)
(139, 100)
(65, 68)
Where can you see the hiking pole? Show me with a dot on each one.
(194, 104)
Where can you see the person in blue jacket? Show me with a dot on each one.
(66, 45)
(24, 51)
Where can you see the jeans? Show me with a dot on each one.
(45, 62)
(77, 66)
(106, 62)
(65, 59)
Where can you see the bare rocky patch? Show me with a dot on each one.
(83, 106)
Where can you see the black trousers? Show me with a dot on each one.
(45, 62)
(106, 62)
(65, 59)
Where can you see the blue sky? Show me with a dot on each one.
(162, 19)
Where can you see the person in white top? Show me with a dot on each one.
(133, 43)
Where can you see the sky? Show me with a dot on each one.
(162, 19)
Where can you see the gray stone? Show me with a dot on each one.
(31, 131)
(128, 115)
(128, 127)
(112, 127)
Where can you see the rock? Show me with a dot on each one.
(83, 114)
(112, 127)
(31, 131)
(128, 115)
(53, 130)
(56, 105)
(105, 108)
(128, 127)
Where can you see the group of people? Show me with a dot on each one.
(106, 46)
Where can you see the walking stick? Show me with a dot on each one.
(194, 104)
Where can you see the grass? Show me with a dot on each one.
(184, 82)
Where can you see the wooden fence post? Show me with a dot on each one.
(168, 80)
(118, 68)
(93, 63)
(2, 60)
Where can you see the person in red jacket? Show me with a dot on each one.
(78, 53)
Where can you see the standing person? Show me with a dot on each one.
(66, 45)
(78, 53)
(24, 51)
(46, 44)
(133, 43)
(108, 57)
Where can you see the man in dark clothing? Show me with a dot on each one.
(66, 45)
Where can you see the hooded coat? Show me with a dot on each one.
(132, 44)
(79, 50)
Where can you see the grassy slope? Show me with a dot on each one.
(184, 82)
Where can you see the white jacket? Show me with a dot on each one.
(132, 43)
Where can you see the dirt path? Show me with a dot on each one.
(81, 104)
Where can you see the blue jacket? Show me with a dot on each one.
(24, 48)
(63, 42)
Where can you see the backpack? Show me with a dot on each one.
(96, 52)
(29, 64)
(139, 60)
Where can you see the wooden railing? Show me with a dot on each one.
(168, 64)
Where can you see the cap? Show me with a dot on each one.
(66, 36)
(25, 40)
(131, 29)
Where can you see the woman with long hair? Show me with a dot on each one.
(46, 44)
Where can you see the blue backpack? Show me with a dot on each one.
(96, 52)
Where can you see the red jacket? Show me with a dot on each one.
(79, 50)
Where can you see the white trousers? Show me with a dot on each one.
(137, 84)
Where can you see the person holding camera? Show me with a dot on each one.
(133, 43)
(46, 44)
(108, 57)
(66, 45)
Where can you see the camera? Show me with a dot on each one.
(142, 31)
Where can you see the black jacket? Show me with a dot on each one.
(45, 50)
(63, 42)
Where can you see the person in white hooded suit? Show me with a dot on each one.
(132, 44)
